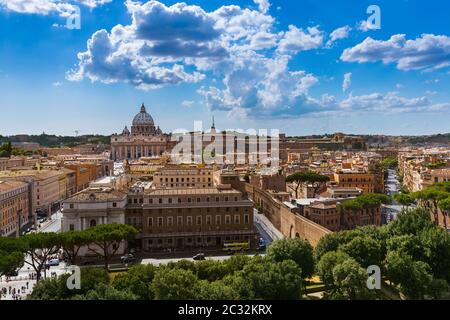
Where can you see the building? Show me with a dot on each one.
(327, 213)
(179, 219)
(366, 181)
(45, 187)
(341, 192)
(174, 219)
(14, 207)
(269, 180)
(144, 140)
(187, 177)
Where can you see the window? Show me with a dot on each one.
(227, 219)
(71, 206)
(150, 222)
(199, 220)
(246, 219)
(160, 221)
(169, 221)
(93, 223)
(71, 227)
(218, 219)
(189, 220)
(179, 220)
(208, 220)
(237, 219)
(114, 204)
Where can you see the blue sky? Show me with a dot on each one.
(304, 67)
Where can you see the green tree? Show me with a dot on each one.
(297, 250)
(413, 277)
(216, 290)
(105, 239)
(389, 163)
(444, 205)
(327, 263)
(56, 288)
(404, 199)
(332, 241)
(365, 250)
(410, 222)
(350, 282)
(72, 242)
(106, 292)
(429, 198)
(265, 279)
(175, 284)
(435, 244)
(138, 280)
(11, 254)
(299, 179)
(40, 247)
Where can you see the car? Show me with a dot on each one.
(52, 263)
(199, 256)
(12, 274)
(127, 258)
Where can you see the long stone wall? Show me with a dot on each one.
(290, 224)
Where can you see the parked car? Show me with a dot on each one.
(199, 256)
(52, 262)
(128, 258)
(12, 274)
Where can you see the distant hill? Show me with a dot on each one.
(46, 140)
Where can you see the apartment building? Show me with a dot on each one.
(168, 219)
(14, 207)
(367, 182)
(190, 177)
(327, 213)
(45, 186)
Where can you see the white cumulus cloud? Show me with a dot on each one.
(347, 81)
(427, 52)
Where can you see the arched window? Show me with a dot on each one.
(93, 223)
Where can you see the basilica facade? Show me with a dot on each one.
(144, 139)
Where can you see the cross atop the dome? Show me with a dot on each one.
(143, 108)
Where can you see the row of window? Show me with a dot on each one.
(189, 221)
(178, 200)
(187, 180)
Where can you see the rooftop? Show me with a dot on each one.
(6, 186)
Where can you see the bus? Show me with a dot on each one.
(236, 246)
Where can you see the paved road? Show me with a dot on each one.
(53, 224)
(265, 228)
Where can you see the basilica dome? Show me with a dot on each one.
(143, 118)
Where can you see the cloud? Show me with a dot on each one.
(337, 34)
(347, 81)
(390, 102)
(428, 52)
(363, 26)
(187, 103)
(173, 44)
(57, 84)
(296, 40)
(47, 7)
(263, 5)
